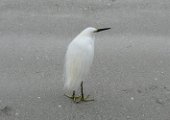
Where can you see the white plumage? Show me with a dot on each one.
(78, 59)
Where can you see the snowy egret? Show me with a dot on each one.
(78, 59)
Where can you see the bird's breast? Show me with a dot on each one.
(84, 46)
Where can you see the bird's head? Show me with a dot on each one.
(90, 31)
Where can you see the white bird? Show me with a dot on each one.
(78, 59)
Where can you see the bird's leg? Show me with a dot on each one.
(78, 99)
(82, 93)
(85, 99)
(73, 97)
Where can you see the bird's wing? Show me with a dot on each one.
(77, 64)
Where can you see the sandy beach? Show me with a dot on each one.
(130, 75)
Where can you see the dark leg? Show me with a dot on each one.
(82, 94)
(73, 97)
(73, 94)
(78, 99)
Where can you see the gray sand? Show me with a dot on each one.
(130, 76)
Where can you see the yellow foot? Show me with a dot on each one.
(74, 98)
(82, 99)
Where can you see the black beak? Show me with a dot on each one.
(102, 29)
